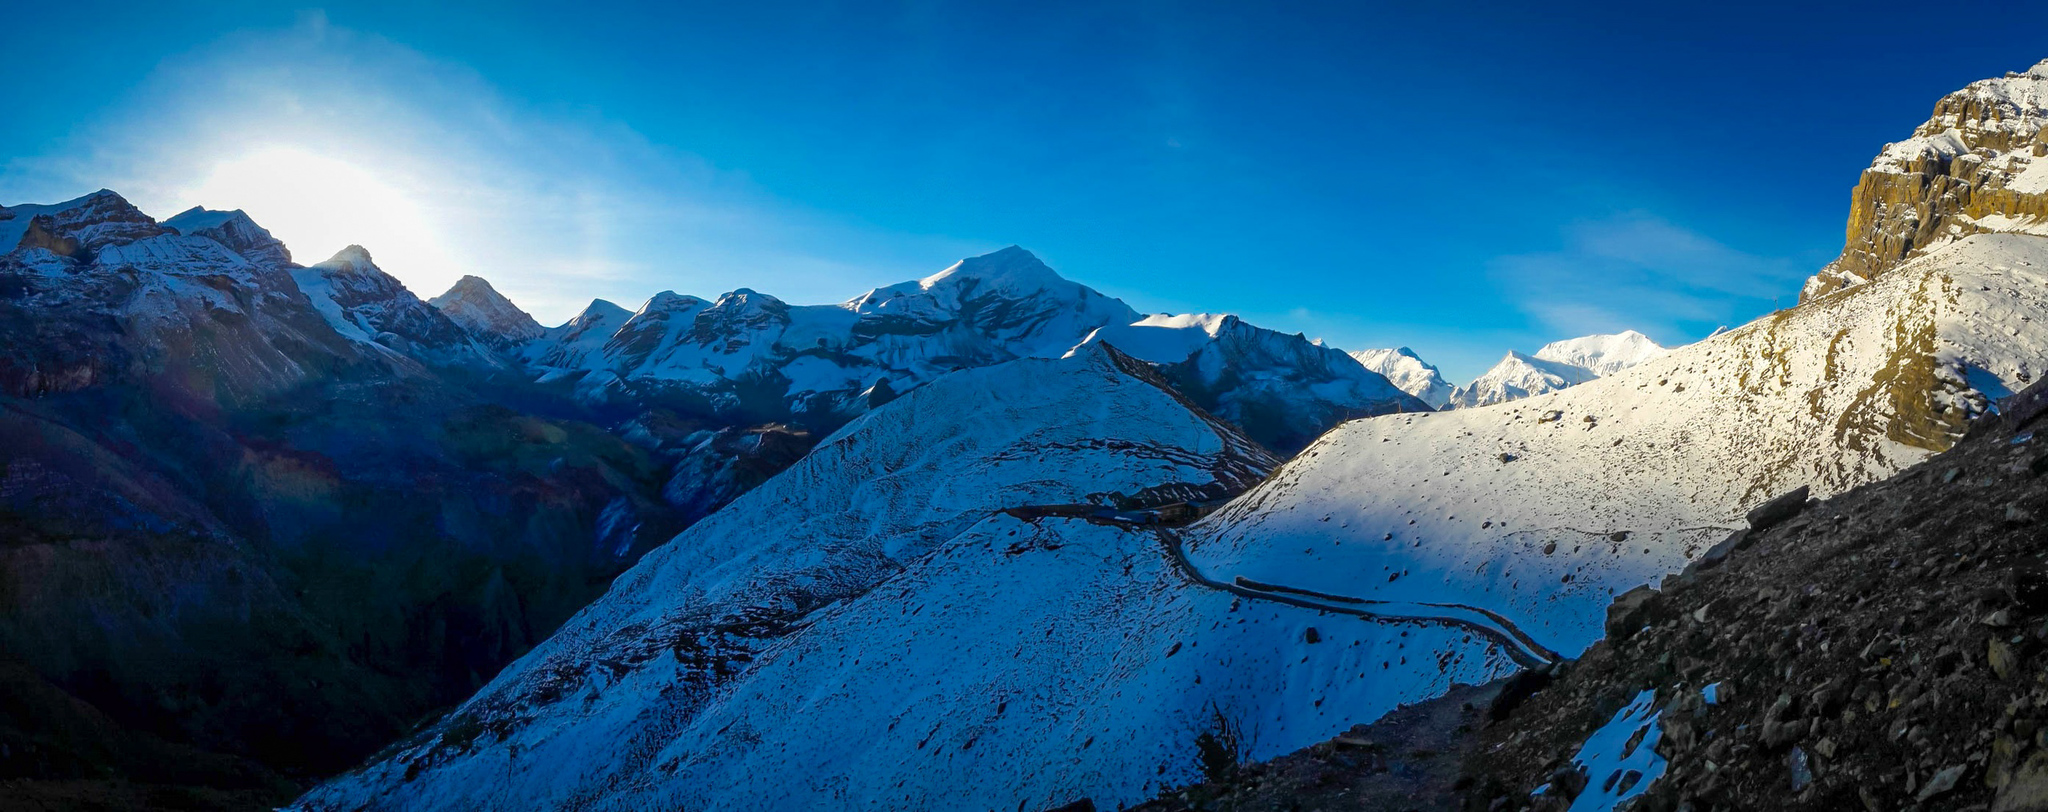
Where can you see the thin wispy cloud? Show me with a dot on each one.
(1641, 272)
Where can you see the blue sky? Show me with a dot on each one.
(1459, 178)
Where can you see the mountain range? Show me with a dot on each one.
(984, 539)
(1392, 558)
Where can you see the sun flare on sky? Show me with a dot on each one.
(318, 204)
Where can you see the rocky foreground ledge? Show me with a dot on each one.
(1885, 649)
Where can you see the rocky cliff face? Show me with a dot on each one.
(1976, 166)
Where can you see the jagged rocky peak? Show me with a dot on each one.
(87, 223)
(1979, 164)
(234, 229)
(1402, 367)
(481, 309)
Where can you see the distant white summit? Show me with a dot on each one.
(1557, 365)
(1408, 371)
(1518, 376)
(1603, 354)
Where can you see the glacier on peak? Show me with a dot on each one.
(1406, 370)
(1603, 354)
(1518, 376)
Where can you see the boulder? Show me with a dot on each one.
(1631, 610)
(1782, 507)
(2027, 791)
(1718, 553)
(2023, 408)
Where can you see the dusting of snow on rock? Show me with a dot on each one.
(480, 309)
(235, 230)
(1976, 165)
(1405, 369)
(367, 305)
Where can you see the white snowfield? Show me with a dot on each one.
(1557, 365)
(869, 631)
(1542, 509)
(1603, 354)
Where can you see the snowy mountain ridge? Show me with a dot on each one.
(1406, 370)
(1517, 376)
(1603, 354)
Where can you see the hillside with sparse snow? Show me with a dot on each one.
(1542, 509)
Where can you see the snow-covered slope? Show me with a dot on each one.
(1518, 376)
(580, 341)
(872, 630)
(1404, 369)
(1283, 390)
(1603, 354)
(1543, 509)
(487, 314)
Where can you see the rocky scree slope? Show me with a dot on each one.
(1878, 650)
(1976, 166)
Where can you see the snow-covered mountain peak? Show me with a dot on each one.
(667, 301)
(599, 310)
(1281, 388)
(1408, 371)
(234, 229)
(482, 310)
(1603, 354)
(353, 259)
(87, 223)
(1013, 269)
(1518, 376)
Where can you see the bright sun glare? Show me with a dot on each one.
(319, 204)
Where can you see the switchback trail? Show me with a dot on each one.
(1518, 645)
